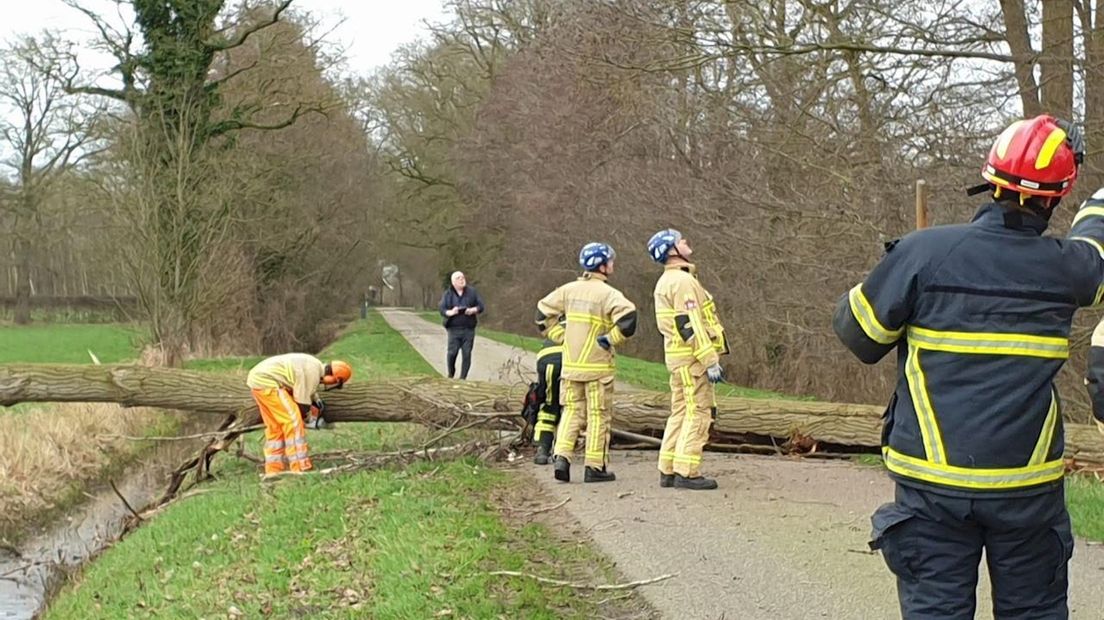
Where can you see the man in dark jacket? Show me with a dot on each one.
(460, 306)
(979, 317)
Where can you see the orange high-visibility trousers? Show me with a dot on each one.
(285, 437)
(586, 404)
(693, 401)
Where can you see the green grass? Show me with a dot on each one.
(374, 349)
(1084, 498)
(387, 544)
(407, 542)
(224, 364)
(67, 343)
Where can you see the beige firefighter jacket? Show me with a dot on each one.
(576, 314)
(685, 311)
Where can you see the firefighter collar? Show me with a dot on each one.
(996, 215)
(689, 268)
(593, 275)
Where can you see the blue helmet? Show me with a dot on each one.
(594, 255)
(659, 246)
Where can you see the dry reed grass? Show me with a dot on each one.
(49, 453)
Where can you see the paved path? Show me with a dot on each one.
(781, 539)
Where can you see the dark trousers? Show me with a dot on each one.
(933, 544)
(460, 339)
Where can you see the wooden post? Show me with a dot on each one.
(921, 204)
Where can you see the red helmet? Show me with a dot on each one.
(1036, 157)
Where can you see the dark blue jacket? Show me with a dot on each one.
(980, 317)
(452, 299)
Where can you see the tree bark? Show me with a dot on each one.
(23, 280)
(441, 402)
(1092, 174)
(1056, 63)
(1019, 41)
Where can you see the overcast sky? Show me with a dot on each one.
(371, 31)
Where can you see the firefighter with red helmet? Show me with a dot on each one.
(979, 315)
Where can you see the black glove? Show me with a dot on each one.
(531, 405)
(1075, 138)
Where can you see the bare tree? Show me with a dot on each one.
(45, 133)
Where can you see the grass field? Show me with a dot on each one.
(413, 542)
(67, 343)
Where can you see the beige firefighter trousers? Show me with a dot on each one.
(693, 402)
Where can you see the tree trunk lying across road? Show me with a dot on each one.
(440, 402)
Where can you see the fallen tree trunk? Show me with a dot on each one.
(442, 403)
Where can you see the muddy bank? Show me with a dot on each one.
(37, 567)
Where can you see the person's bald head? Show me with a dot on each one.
(458, 279)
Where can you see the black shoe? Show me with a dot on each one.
(561, 469)
(666, 480)
(542, 456)
(598, 475)
(698, 483)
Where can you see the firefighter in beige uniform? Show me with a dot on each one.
(597, 319)
(693, 341)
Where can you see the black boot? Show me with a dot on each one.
(697, 483)
(561, 469)
(544, 450)
(666, 480)
(598, 475)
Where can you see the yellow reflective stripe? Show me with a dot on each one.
(1099, 295)
(1092, 242)
(691, 410)
(1050, 147)
(555, 333)
(584, 317)
(985, 343)
(545, 352)
(925, 414)
(563, 444)
(868, 321)
(578, 365)
(592, 335)
(549, 371)
(591, 418)
(701, 337)
(668, 312)
(971, 477)
(1042, 446)
(1088, 211)
(616, 337)
(689, 460)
